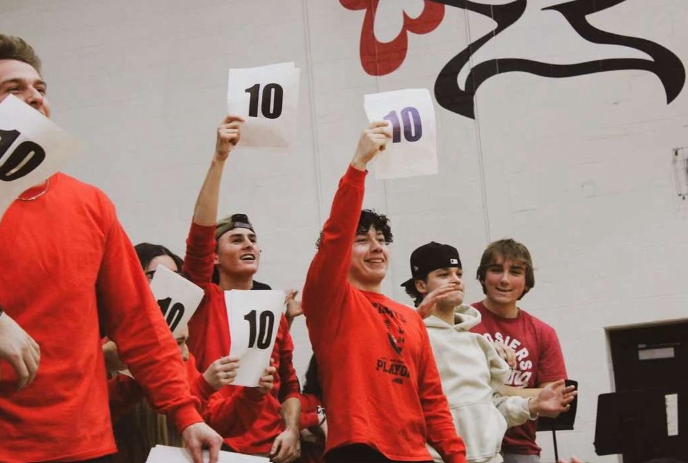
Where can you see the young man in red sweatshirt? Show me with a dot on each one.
(68, 268)
(140, 429)
(381, 388)
(231, 248)
(506, 275)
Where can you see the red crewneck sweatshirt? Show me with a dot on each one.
(380, 383)
(209, 340)
(68, 269)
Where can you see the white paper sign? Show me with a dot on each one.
(267, 98)
(177, 297)
(413, 150)
(254, 319)
(32, 148)
(165, 454)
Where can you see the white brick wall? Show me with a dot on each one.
(579, 169)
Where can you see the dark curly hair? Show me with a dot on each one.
(370, 218)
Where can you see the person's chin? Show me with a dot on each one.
(376, 275)
(246, 269)
(457, 300)
(503, 299)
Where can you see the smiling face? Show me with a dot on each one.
(369, 260)
(23, 81)
(505, 282)
(441, 277)
(238, 253)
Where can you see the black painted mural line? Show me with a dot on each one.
(382, 58)
(449, 94)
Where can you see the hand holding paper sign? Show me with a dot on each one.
(199, 436)
(32, 148)
(228, 135)
(267, 381)
(373, 140)
(267, 98)
(221, 372)
(413, 150)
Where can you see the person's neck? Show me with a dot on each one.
(502, 310)
(445, 313)
(370, 286)
(228, 282)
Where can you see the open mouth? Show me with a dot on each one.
(247, 257)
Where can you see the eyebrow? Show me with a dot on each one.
(17, 80)
(234, 235)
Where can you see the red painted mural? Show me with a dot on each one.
(380, 58)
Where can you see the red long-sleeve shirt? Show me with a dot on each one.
(311, 452)
(124, 391)
(66, 263)
(230, 415)
(209, 339)
(309, 411)
(379, 379)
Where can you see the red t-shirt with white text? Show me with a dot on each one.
(539, 360)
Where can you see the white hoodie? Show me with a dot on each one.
(472, 373)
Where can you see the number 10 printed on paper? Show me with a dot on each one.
(254, 320)
(413, 148)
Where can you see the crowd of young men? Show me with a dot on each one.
(392, 384)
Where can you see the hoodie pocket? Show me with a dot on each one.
(482, 428)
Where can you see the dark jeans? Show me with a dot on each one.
(360, 453)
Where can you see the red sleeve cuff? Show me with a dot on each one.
(309, 420)
(185, 416)
(202, 233)
(355, 176)
(291, 394)
(203, 388)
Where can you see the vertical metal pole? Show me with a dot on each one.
(556, 450)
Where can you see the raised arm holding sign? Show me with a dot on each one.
(375, 361)
(223, 256)
(413, 148)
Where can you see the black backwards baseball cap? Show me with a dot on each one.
(232, 222)
(430, 257)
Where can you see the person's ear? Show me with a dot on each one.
(421, 287)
